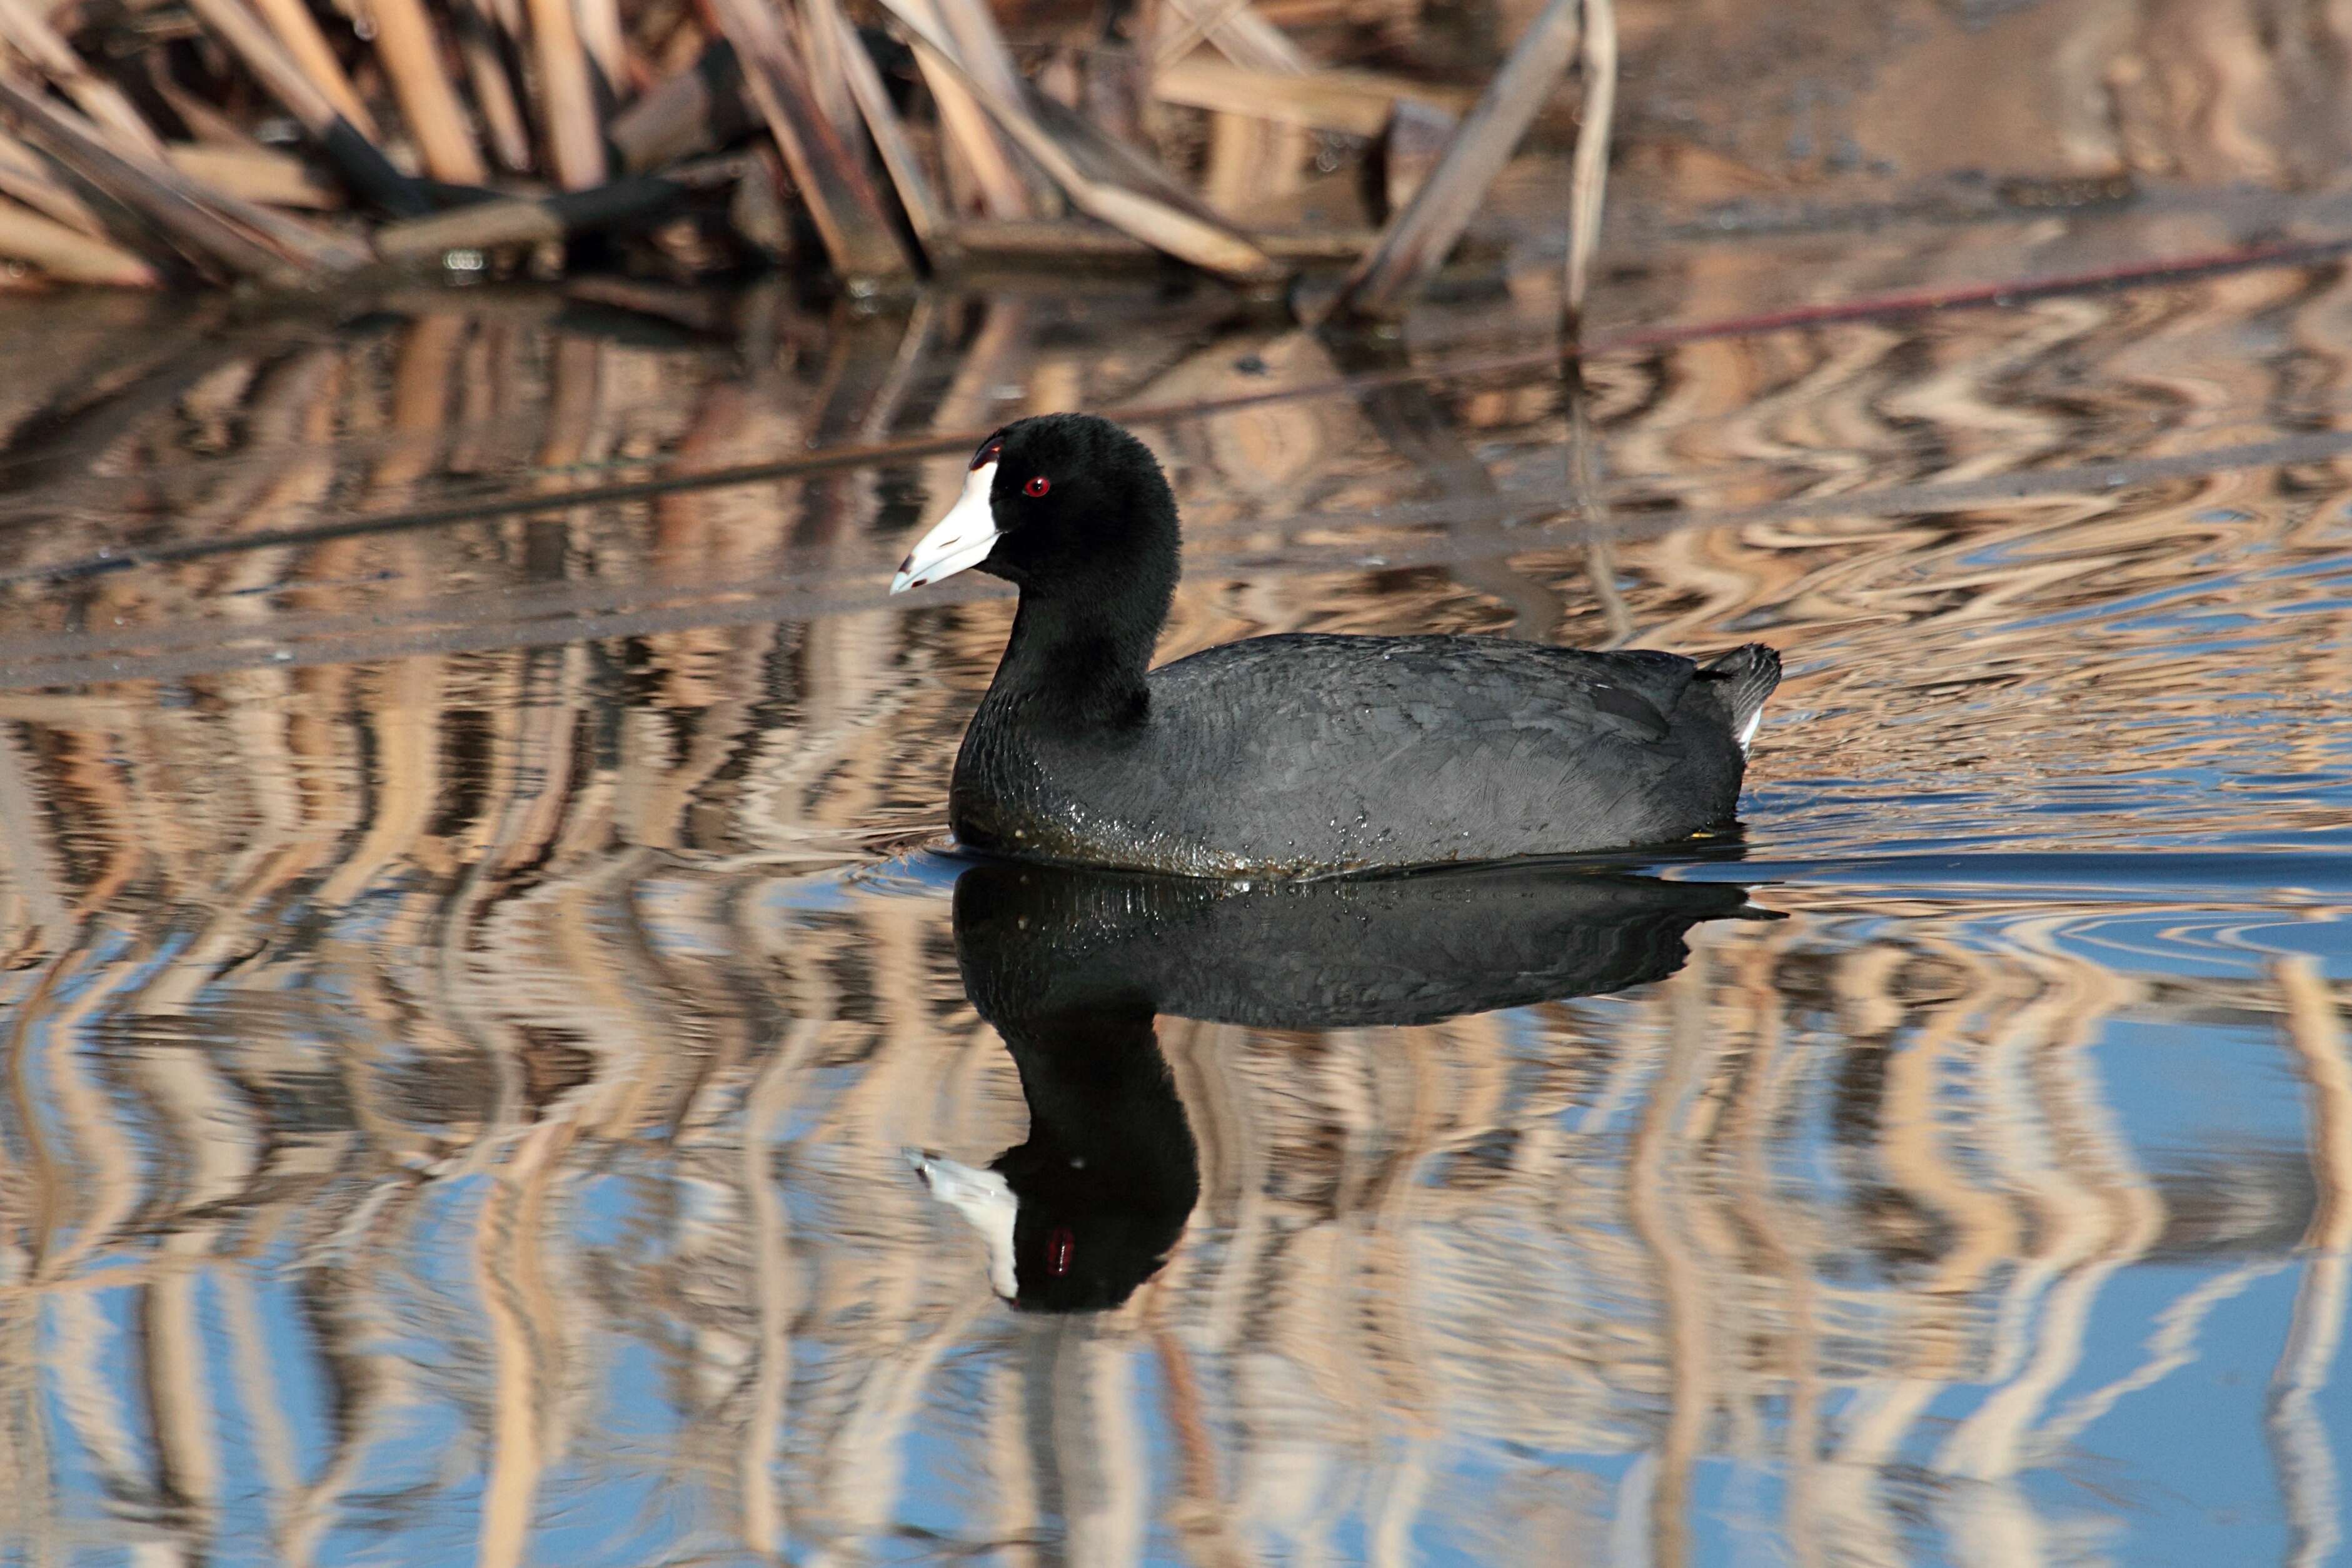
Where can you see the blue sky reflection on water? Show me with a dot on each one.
(464, 1072)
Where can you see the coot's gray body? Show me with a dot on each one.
(1296, 755)
(1308, 754)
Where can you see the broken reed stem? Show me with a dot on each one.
(924, 213)
(1187, 26)
(841, 200)
(239, 237)
(256, 174)
(966, 129)
(1206, 243)
(577, 141)
(1235, 32)
(1416, 241)
(1589, 169)
(410, 47)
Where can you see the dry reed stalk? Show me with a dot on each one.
(1415, 140)
(206, 123)
(244, 239)
(823, 58)
(475, 31)
(971, 30)
(24, 177)
(694, 110)
(1589, 169)
(924, 213)
(625, 203)
(1045, 239)
(410, 48)
(1416, 241)
(833, 181)
(308, 49)
(1355, 103)
(574, 138)
(355, 157)
(1198, 238)
(28, 32)
(68, 256)
(1235, 32)
(255, 173)
(602, 35)
(970, 135)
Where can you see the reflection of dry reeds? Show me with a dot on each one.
(487, 1020)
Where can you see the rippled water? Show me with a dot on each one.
(478, 957)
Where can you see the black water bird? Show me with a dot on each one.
(1071, 966)
(1298, 754)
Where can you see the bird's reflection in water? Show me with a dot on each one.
(1071, 967)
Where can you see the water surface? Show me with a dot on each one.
(479, 954)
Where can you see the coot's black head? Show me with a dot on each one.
(1068, 506)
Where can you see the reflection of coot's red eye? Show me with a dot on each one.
(1038, 485)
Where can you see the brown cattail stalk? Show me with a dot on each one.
(411, 49)
(573, 132)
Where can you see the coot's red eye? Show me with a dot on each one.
(1038, 485)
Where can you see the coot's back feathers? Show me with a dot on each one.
(1297, 754)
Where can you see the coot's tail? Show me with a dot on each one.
(1751, 673)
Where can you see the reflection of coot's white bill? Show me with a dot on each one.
(983, 1198)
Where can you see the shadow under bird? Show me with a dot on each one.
(1298, 754)
(1072, 966)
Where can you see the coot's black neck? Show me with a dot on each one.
(1081, 645)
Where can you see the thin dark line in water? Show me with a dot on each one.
(574, 611)
(1637, 340)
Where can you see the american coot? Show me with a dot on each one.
(1294, 755)
(1072, 966)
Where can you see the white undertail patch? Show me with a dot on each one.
(1748, 730)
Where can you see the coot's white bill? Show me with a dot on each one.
(986, 1200)
(961, 539)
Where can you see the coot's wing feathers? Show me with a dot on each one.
(1350, 750)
